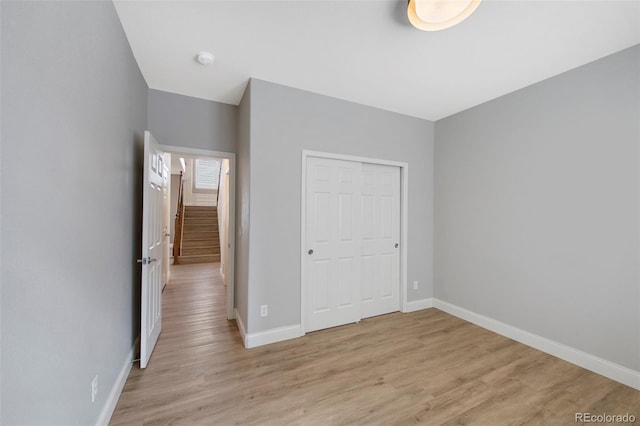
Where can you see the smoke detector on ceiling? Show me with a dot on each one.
(205, 58)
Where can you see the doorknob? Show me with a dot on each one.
(396, 245)
(310, 251)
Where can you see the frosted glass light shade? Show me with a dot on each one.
(434, 15)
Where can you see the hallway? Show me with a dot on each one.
(194, 324)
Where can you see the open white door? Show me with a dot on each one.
(154, 181)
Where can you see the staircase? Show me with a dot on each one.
(200, 235)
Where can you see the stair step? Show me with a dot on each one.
(188, 240)
(200, 209)
(200, 221)
(210, 248)
(206, 232)
(213, 242)
(199, 227)
(191, 221)
(200, 213)
(211, 227)
(193, 251)
(192, 216)
(199, 235)
(184, 260)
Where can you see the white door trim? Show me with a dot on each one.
(231, 283)
(404, 204)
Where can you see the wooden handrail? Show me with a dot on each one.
(219, 176)
(177, 240)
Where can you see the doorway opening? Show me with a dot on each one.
(201, 212)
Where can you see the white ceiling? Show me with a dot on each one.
(365, 51)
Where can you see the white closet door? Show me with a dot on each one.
(333, 240)
(380, 224)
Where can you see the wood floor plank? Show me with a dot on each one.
(425, 367)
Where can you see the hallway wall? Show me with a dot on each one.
(190, 122)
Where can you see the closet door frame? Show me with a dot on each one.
(404, 202)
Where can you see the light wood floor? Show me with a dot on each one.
(425, 367)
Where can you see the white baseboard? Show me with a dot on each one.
(418, 305)
(252, 340)
(241, 327)
(261, 338)
(585, 360)
(274, 335)
(112, 400)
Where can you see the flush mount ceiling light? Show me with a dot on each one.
(204, 58)
(434, 15)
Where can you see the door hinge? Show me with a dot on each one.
(146, 260)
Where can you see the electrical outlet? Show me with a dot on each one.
(415, 285)
(94, 388)
(264, 311)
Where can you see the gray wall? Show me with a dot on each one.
(0, 218)
(537, 209)
(194, 123)
(242, 207)
(284, 121)
(74, 108)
